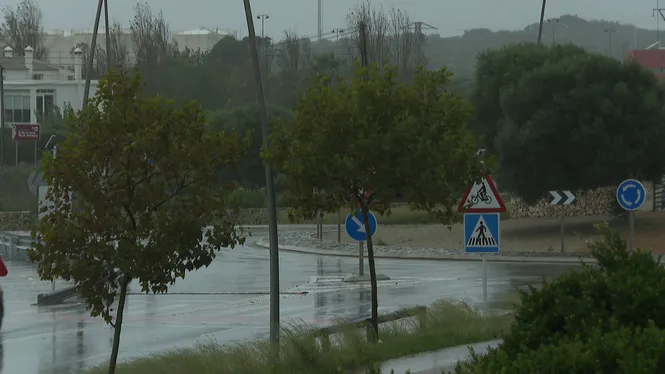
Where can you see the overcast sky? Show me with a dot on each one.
(449, 16)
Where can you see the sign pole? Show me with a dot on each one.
(35, 153)
(361, 259)
(484, 287)
(355, 227)
(15, 153)
(563, 228)
(339, 225)
(631, 231)
(631, 195)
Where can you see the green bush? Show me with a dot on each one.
(624, 350)
(566, 318)
(243, 198)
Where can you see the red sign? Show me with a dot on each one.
(24, 131)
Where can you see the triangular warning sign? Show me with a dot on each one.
(482, 197)
(481, 236)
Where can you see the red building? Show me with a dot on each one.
(652, 59)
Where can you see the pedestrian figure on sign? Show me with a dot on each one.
(481, 231)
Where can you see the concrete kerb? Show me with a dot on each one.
(263, 243)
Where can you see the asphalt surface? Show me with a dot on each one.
(228, 302)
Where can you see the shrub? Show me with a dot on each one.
(624, 290)
(248, 199)
(623, 350)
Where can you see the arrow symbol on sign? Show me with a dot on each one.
(361, 226)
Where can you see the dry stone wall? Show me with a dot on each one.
(597, 202)
(16, 221)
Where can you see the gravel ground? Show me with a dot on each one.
(307, 240)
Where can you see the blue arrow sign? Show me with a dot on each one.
(355, 226)
(631, 194)
(481, 232)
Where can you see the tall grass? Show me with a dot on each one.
(448, 324)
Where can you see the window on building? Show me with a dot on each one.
(45, 101)
(17, 106)
(38, 77)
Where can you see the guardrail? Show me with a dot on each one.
(420, 312)
(11, 246)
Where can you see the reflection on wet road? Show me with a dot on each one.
(66, 339)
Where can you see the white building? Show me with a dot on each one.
(59, 43)
(32, 86)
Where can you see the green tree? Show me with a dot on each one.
(142, 171)
(250, 172)
(497, 69)
(582, 122)
(376, 134)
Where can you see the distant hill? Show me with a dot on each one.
(459, 53)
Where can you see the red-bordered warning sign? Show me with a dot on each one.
(482, 197)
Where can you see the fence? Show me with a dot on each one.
(420, 312)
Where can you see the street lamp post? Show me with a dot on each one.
(263, 18)
(609, 40)
(337, 32)
(553, 22)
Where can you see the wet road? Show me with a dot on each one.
(206, 307)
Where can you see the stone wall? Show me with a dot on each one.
(16, 221)
(597, 202)
(257, 216)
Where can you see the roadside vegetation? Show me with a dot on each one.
(448, 324)
(606, 318)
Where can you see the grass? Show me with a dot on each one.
(400, 215)
(448, 324)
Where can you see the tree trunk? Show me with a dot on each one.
(118, 325)
(372, 275)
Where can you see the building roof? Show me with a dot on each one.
(18, 63)
(648, 58)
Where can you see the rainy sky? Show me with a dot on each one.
(451, 17)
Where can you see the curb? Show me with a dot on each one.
(262, 243)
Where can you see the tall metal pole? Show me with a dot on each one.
(270, 187)
(320, 20)
(91, 58)
(542, 17)
(2, 118)
(109, 58)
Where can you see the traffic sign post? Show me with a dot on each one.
(355, 227)
(481, 204)
(631, 195)
(482, 235)
(562, 198)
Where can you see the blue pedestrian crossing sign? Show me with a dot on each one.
(481, 232)
(355, 226)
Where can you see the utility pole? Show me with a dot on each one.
(553, 21)
(91, 58)
(109, 58)
(542, 17)
(320, 20)
(609, 40)
(658, 10)
(270, 187)
(420, 59)
(263, 18)
(364, 60)
(337, 32)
